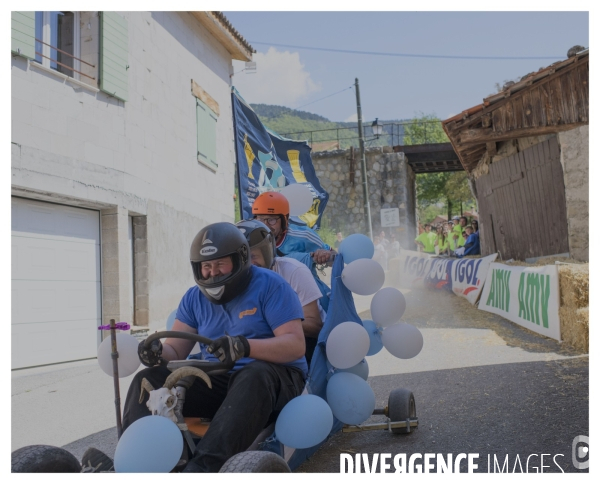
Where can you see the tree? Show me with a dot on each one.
(432, 188)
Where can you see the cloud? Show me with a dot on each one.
(352, 119)
(280, 79)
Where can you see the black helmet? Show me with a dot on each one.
(260, 237)
(216, 241)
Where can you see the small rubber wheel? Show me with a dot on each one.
(256, 461)
(401, 405)
(43, 458)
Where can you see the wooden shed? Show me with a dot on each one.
(526, 152)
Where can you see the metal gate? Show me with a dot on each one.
(522, 205)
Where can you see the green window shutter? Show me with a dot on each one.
(206, 125)
(114, 41)
(23, 34)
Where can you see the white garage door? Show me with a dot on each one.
(56, 302)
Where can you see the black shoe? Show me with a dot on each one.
(94, 460)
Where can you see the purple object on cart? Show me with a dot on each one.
(121, 325)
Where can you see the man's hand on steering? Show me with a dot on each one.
(324, 256)
(150, 356)
(229, 349)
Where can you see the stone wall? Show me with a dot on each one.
(391, 185)
(575, 160)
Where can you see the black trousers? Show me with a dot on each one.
(240, 405)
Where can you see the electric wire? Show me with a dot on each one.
(317, 100)
(395, 54)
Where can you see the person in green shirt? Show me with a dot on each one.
(459, 226)
(441, 240)
(426, 239)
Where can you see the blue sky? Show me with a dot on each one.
(397, 87)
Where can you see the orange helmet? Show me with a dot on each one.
(271, 203)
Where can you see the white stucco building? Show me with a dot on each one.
(122, 149)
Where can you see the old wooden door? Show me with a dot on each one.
(522, 204)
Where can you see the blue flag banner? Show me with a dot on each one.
(269, 162)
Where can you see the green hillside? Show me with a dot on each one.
(296, 124)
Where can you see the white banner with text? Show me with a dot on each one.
(528, 296)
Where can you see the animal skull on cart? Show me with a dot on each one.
(162, 401)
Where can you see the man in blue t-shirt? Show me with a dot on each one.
(254, 319)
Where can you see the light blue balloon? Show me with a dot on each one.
(150, 444)
(171, 320)
(361, 369)
(351, 399)
(304, 422)
(356, 246)
(374, 336)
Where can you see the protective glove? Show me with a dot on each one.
(229, 349)
(150, 356)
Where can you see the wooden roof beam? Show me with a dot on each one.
(485, 135)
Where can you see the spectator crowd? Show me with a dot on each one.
(456, 238)
(453, 239)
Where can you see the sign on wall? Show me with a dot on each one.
(390, 217)
(528, 296)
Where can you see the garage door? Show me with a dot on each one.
(56, 302)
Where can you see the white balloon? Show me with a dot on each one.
(300, 198)
(128, 360)
(363, 276)
(387, 306)
(402, 340)
(347, 344)
(150, 444)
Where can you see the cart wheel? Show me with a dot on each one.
(401, 405)
(255, 461)
(43, 458)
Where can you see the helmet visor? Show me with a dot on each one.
(262, 254)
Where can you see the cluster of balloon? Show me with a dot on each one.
(127, 362)
(349, 395)
(150, 444)
(374, 333)
(362, 275)
(401, 339)
(299, 197)
(304, 422)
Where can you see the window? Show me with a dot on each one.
(57, 41)
(206, 125)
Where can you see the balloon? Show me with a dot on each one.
(347, 345)
(402, 340)
(128, 360)
(351, 399)
(299, 196)
(356, 246)
(304, 422)
(387, 306)
(374, 333)
(363, 276)
(362, 370)
(171, 320)
(150, 444)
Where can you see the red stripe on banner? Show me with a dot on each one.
(469, 289)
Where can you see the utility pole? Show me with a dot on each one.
(363, 161)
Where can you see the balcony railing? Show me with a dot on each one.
(64, 65)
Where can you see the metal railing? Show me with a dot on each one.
(64, 65)
(392, 136)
